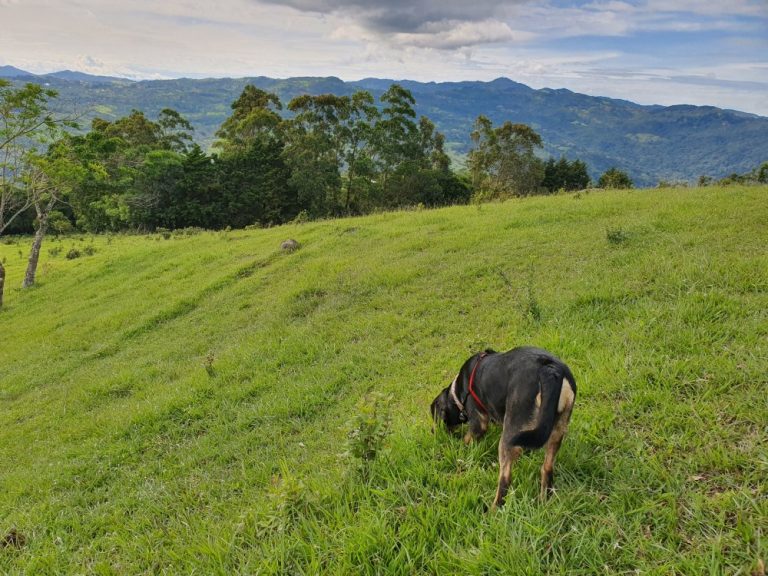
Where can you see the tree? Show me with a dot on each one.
(156, 180)
(2, 282)
(25, 122)
(175, 131)
(138, 156)
(99, 202)
(432, 147)
(408, 155)
(565, 175)
(254, 174)
(48, 181)
(135, 130)
(255, 186)
(254, 117)
(332, 142)
(614, 178)
(503, 162)
(356, 128)
(195, 198)
(314, 150)
(761, 173)
(395, 137)
(424, 178)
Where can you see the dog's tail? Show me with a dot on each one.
(557, 391)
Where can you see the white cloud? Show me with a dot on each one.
(590, 47)
(461, 35)
(730, 8)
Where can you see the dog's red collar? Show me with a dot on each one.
(472, 384)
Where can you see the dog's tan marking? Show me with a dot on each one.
(507, 457)
(550, 452)
(538, 400)
(566, 397)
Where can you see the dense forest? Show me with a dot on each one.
(323, 156)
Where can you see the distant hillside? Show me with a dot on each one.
(651, 143)
(13, 72)
(82, 77)
(66, 75)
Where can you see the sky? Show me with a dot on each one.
(647, 51)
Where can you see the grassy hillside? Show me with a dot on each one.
(200, 404)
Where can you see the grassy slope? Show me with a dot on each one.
(120, 453)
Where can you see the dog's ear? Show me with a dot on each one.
(436, 409)
(439, 408)
(444, 410)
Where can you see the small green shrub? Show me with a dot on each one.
(208, 364)
(292, 502)
(89, 250)
(73, 253)
(59, 223)
(616, 235)
(370, 429)
(533, 308)
(301, 217)
(55, 251)
(615, 178)
(190, 231)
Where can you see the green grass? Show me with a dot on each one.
(206, 404)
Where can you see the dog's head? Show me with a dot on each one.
(445, 410)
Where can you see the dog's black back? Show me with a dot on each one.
(515, 379)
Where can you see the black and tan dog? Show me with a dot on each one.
(528, 390)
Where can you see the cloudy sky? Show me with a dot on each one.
(647, 51)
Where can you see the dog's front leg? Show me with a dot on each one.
(508, 455)
(478, 426)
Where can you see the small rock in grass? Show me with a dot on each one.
(289, 245)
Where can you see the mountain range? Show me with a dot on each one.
(650, 143)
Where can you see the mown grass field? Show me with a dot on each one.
(199, 404)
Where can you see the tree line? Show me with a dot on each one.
(322, 156)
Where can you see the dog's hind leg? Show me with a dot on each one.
(550, 452)
(508, 455)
